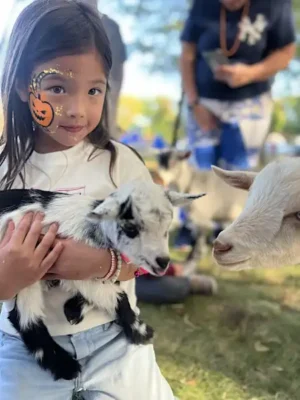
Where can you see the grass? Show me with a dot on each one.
(243, 344)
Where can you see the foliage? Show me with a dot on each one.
(278, 122)
(155, 116)
(286, 116)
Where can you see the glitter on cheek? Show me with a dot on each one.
(59, 111)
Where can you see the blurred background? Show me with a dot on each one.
(241, 342)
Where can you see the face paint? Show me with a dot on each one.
(41, 110)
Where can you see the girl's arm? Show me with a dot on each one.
(79, 261)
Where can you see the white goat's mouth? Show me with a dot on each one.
(234, 265)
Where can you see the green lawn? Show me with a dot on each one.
(242, 344)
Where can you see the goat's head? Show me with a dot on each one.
(170, 163)
(267, 233)
(167, 159)
(136, 219)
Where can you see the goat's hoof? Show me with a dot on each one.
(142, 334)
(73, 314)
(61, 364)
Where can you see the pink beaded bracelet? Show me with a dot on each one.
(113, 266)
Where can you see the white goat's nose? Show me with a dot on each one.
(220, 247)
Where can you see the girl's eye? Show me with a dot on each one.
(95, 92)
(297, 215)
(57, 89)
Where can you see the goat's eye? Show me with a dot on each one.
(130, 230)
(297, 215)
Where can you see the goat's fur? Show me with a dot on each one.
(133, 220)
(267, 232)
(222, 204)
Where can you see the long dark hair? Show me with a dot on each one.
(46, 29)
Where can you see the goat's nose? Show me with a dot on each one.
(220, 247)
(163, 262)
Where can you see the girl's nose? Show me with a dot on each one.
(76, 109)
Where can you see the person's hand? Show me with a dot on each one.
(236, 75)
(78, 261)
(204, 118)
(24, 259)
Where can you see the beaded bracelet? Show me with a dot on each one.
(113, 266)
(116, 275)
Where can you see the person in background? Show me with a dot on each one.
(231, 51)
(175, 286)
(119, 57)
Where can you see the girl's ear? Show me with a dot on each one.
(22, 92)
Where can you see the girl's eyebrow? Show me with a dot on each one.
(57, 77)
(96, 81)
(62, 78)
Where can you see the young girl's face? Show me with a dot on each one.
(66, 97)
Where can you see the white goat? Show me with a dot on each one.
(267, 232)
(222, 203)
(134, 220)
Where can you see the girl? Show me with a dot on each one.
(54, 94)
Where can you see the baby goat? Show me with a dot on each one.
(134, 220)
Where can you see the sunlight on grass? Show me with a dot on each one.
(242, 344)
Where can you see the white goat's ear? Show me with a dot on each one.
(238, 179)
(107, 209)
(182, 199)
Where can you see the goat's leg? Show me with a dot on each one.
(196, 251)
(111, 298)
(28, 319)
(135, 330)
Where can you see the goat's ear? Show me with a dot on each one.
(238, 179)
(107, 209)
(182, 155)
(182, 199)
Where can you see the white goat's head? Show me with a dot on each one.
(267, 233)
(136, 219)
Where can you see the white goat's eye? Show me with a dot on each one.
(297, 215)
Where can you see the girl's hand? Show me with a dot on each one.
(204, 118)
(23, 258)
(78, 261)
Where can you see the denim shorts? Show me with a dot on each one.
(112, 369)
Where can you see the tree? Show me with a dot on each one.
(154, 116)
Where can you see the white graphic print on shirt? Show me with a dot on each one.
(252, 32)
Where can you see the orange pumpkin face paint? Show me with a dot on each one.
(41, 110)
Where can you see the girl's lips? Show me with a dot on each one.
(73, 128)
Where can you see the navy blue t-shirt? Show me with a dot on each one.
(272, 27)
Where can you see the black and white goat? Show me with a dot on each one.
(133, 220)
